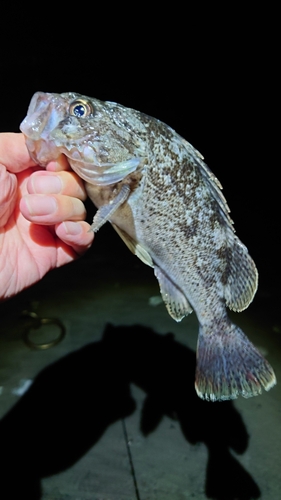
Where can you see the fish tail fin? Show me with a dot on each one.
(228, 365)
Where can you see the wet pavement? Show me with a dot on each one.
(110, 412)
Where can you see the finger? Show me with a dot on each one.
(13, 152)
(63, 182)
(75, 234)
(8, 191)
(60, 164)
(54, 209)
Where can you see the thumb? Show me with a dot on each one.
(13, 152)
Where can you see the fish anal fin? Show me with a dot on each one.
(242, 276)
(135, 247)
(175, 301)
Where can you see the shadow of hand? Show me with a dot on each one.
(63, 414)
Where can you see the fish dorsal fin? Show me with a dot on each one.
(212, 181)
(135, 247)
(242, 275)
(175, 301)
(241, 278)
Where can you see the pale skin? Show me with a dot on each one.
(42, 216)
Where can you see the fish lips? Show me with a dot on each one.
(40, 127)
(44, 113)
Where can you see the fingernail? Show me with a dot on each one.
(72, 228)
(46, 184)
(40, 205)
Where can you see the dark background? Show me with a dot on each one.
(211, 75)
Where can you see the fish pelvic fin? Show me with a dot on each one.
(135, 247)
(242, 276)
(228, 365)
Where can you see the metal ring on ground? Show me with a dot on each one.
(36, 326)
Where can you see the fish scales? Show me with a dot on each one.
(167, 206)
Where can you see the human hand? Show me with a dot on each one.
(41, 216)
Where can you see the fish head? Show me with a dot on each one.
(101, 140)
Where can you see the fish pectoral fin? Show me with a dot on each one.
(175, 301)
(105, 212)
(135, 247)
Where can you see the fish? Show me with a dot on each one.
(167, 206)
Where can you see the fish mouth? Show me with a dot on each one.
(44, 113)
(46, 128)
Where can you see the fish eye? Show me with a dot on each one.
(80, 108)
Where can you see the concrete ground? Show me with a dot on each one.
(110, 412)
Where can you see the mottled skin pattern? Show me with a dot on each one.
(167, 206)
(176, 218)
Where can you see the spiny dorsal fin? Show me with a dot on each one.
(212, 181)
(242, 276)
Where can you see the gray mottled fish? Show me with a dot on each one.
(167, 206)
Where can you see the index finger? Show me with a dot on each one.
(13, 152)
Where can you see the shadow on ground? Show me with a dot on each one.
(73, 401)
